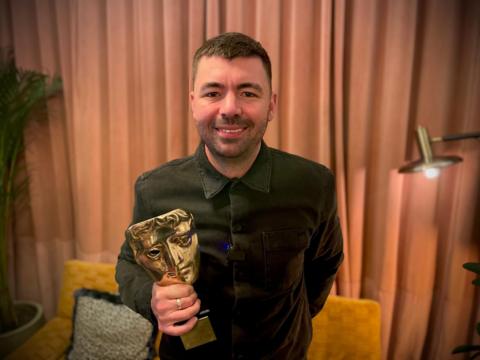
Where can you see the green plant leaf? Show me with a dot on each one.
(478, 328)
(465, 348)
(475, 267)
(476, 282)
(23, 98)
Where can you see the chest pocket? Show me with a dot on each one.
(284, 255)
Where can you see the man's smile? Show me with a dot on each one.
(230, 132)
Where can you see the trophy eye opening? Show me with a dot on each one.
(184, 240)
(154, 253)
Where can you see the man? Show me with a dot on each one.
(268, 231)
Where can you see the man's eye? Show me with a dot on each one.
(211, 94)
(249, 94)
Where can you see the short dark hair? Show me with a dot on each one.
(231, 45)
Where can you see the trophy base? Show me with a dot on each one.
(201, 334)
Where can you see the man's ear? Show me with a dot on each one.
(272, 107)
(192, 97)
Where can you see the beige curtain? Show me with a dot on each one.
(354, 78)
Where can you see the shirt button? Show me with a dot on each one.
(237, 228)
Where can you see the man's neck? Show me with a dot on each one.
(232, 167)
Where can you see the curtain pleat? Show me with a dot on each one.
(354, 79)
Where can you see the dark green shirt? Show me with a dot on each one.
(270, 245)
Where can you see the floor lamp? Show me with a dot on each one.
(429, 163)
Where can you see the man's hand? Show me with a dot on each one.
(172, 304)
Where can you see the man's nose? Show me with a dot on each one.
(230, 106)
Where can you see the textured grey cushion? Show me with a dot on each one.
(104, 328)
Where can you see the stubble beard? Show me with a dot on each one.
(233, 149)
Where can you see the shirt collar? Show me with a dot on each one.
(257, 177)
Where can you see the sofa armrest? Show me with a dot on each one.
(82, 274)
(346, 329)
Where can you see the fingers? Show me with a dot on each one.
(177, 317)
(174, 304)
(177, 330)
(185, 302)
(164, 297)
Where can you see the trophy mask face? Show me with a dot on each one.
(167, 244)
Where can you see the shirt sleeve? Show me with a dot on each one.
(325, 253)
(135, 285)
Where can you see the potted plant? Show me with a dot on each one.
(474, 350)
(22, 93)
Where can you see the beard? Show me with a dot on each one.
(233, 148)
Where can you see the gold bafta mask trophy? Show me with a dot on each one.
(166, 246)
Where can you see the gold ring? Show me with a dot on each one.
(179, 303)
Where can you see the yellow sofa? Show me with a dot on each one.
(345, 329)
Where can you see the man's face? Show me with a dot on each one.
(169, 248)
(232, 104)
